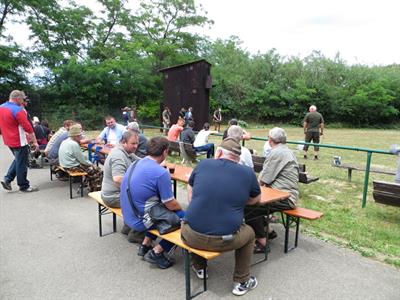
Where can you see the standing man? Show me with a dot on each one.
(166, 116)
(111, 134)
(149, 183)
(17, 130)
(313, 125)
(217, 118)
(175, 130)
(218, 190)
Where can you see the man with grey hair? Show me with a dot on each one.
(141, 150)
(17, 132)
(236, 132)
(280, 171)
(313, 125)
(218, 190)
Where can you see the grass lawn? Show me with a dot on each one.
(373, 231)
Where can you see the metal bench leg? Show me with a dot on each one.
(70, 186)
(205, 277)
(297, 232)
(187, 273)
(51, 174)
(114, 222)
(100, 224)
(286, 224)
(349, 174)
(81, 186)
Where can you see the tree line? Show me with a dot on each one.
(93, 62)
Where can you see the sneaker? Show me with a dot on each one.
(157, 258)
(6, 185)
(200, 273)
(315, 157)
(305, 156)
(143, 249)
(258, 248)
(272, 235)
(239, 289)
(30, 189)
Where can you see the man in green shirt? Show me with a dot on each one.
(313, 125)
(71, 157)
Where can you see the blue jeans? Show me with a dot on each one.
(19, 167)
(207, 147)
(167, 246)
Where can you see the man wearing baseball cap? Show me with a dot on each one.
(17, 131)
(219, 189)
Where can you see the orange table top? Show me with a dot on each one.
(268, 195)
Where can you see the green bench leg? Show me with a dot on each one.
(349, 174)
(287, 223)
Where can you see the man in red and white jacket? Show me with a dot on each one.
(17, 130)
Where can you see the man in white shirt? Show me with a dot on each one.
(201, 142)
(236, 132)
(111, 134)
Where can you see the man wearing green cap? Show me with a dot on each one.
(71, 157)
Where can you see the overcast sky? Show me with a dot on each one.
(364, 32)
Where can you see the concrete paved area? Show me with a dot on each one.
(50, 249)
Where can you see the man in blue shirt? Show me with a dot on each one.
(219, 189)
(149, 184)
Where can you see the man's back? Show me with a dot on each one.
(188, 135)
(173, 133)
(53, 153)
(221, 189)
(313, 120)
(13, 123)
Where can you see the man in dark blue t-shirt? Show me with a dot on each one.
(218, 192)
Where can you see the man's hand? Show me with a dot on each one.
(35, 146)
(321, 133)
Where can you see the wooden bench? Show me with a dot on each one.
(387, 193)
(258, 162)
(105, 210)
(351, 167)
(71, 175)
(294, 216)
(175, 238)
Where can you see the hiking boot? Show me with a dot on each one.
(239, 289)
(200, 273)
(30, 189)
(125, 229)
(158, 258)
(143, 249)
(272, 235)
(6, 185)
(315, 157)
(135, 236)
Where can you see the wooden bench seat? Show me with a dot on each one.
(103, 209)
(294, 216)
(175, 238)
(351, 167)
(387, 193)
(71, 175)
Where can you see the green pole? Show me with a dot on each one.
(366, 179)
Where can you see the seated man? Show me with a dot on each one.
(280, 171)
(149, 184)
(219, 189)
(71, 157)
(62, 130)
(141, 150)
(175, 130)
(115, 166)
(111, 134)
(236, 132)
(41, 133)
(246, 135)
(201, 142)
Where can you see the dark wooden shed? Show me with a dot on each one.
(188, 85)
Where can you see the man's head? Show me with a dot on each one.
(191, 124)
(233, 122)
(133, 126)
(181, 122)
(158, 147)
(36, 120)
(229, 149)
(312, 108)
(110, 121)
(235, 132)
(17, 97)
(130, 141)
(75, 132)
(68, 123)
(276, 136)
(206, 126)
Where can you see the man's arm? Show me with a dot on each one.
(173, 205)
(254, 200)
(190, 192)
(322, 128)
(101, 136)
(118, 180)
(305, 125)
(79, 156)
